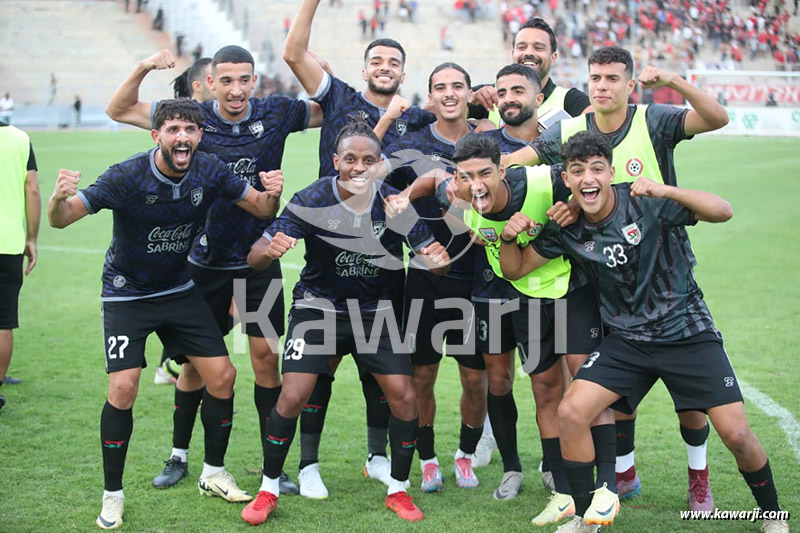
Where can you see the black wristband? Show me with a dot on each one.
(508, 241)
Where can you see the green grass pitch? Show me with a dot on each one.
(50, 460)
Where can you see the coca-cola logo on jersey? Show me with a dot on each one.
(350, 264)
(176, 239)
(245, 168)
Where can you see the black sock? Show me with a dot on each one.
(164, 356)
(116, 426)
(695, 437)
(503, 416)
(605, 455)
(469, 437)
(551, 448)
(425, 439)
(402, 440)
(581, 481)
(378, 415)
(626, 431)
(217, 418)
(265, 399)
(763, 488)
(184, 415)
(312, 419)
(280, 434)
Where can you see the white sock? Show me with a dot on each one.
(395, 486)
(460, 455)
(697, 456)
(270, 485)
(209, 470)
(181, 453)
(487, 428)
(624, 463)
(117, 493)
(425, 462)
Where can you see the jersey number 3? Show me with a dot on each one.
(616, 255)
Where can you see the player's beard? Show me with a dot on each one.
(524, 114)
(167, 155)
(391, 90)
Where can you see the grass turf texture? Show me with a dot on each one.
(50, 459)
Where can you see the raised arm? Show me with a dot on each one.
(64, 207)
(124, 105)
(525, 156)
(516, 262)
(707, 207)
(264, 204)
(707, 114)
(295, 51)
(397, 107)
(33, 215)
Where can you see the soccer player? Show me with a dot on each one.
(415, 160)
(194, 82)
(350, 246)
(643, 138)
(249, 135)
(535, 46)
(160, 200)
(391, 117)
(660, 327)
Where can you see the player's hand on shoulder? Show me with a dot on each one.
(397, 107)
(272, 182)
(395, 204)
(322, 62)
(66, 184)
(161, 60)
(563, 213)
(647, 187)
(517, 224)
(482, 125)
(280, 244)
(485, 96)
(652, 77)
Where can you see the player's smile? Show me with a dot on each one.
(590, 183)
(479, 179)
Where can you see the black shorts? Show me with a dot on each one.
(309, 345)
(493, 341)
(459, 342)
(182, 321)
(10, 284)
(696, 371)
(216, 287)
(569, 325)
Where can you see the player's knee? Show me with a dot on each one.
(570, 415)
(220, 385)
(738, 438)
(122, 393)
(547, 393)
(291, 402)
(474, 381)
(500, 385)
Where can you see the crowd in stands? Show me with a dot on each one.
(676, 30)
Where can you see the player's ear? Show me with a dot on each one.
(553, 58)
(502, 172)
(631, 85)
(539, 100)
(402, 78)
(565, 177)
(364, 74)
(154, 135)
(612, 173)
(336, 161)
(210, 81)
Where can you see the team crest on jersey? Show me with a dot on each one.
(257, 129)
(210, 129)
(401, 126)
(634, 167)
(535, 230)
(489, 234)
(119, 281)
(378, 229)
(436, 156)
(197, 196)
(589, 245)
(488, 274)
(632, 234)
(150, 199)
(333, 224)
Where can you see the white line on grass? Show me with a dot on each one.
(94, 251)
(786, 419)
